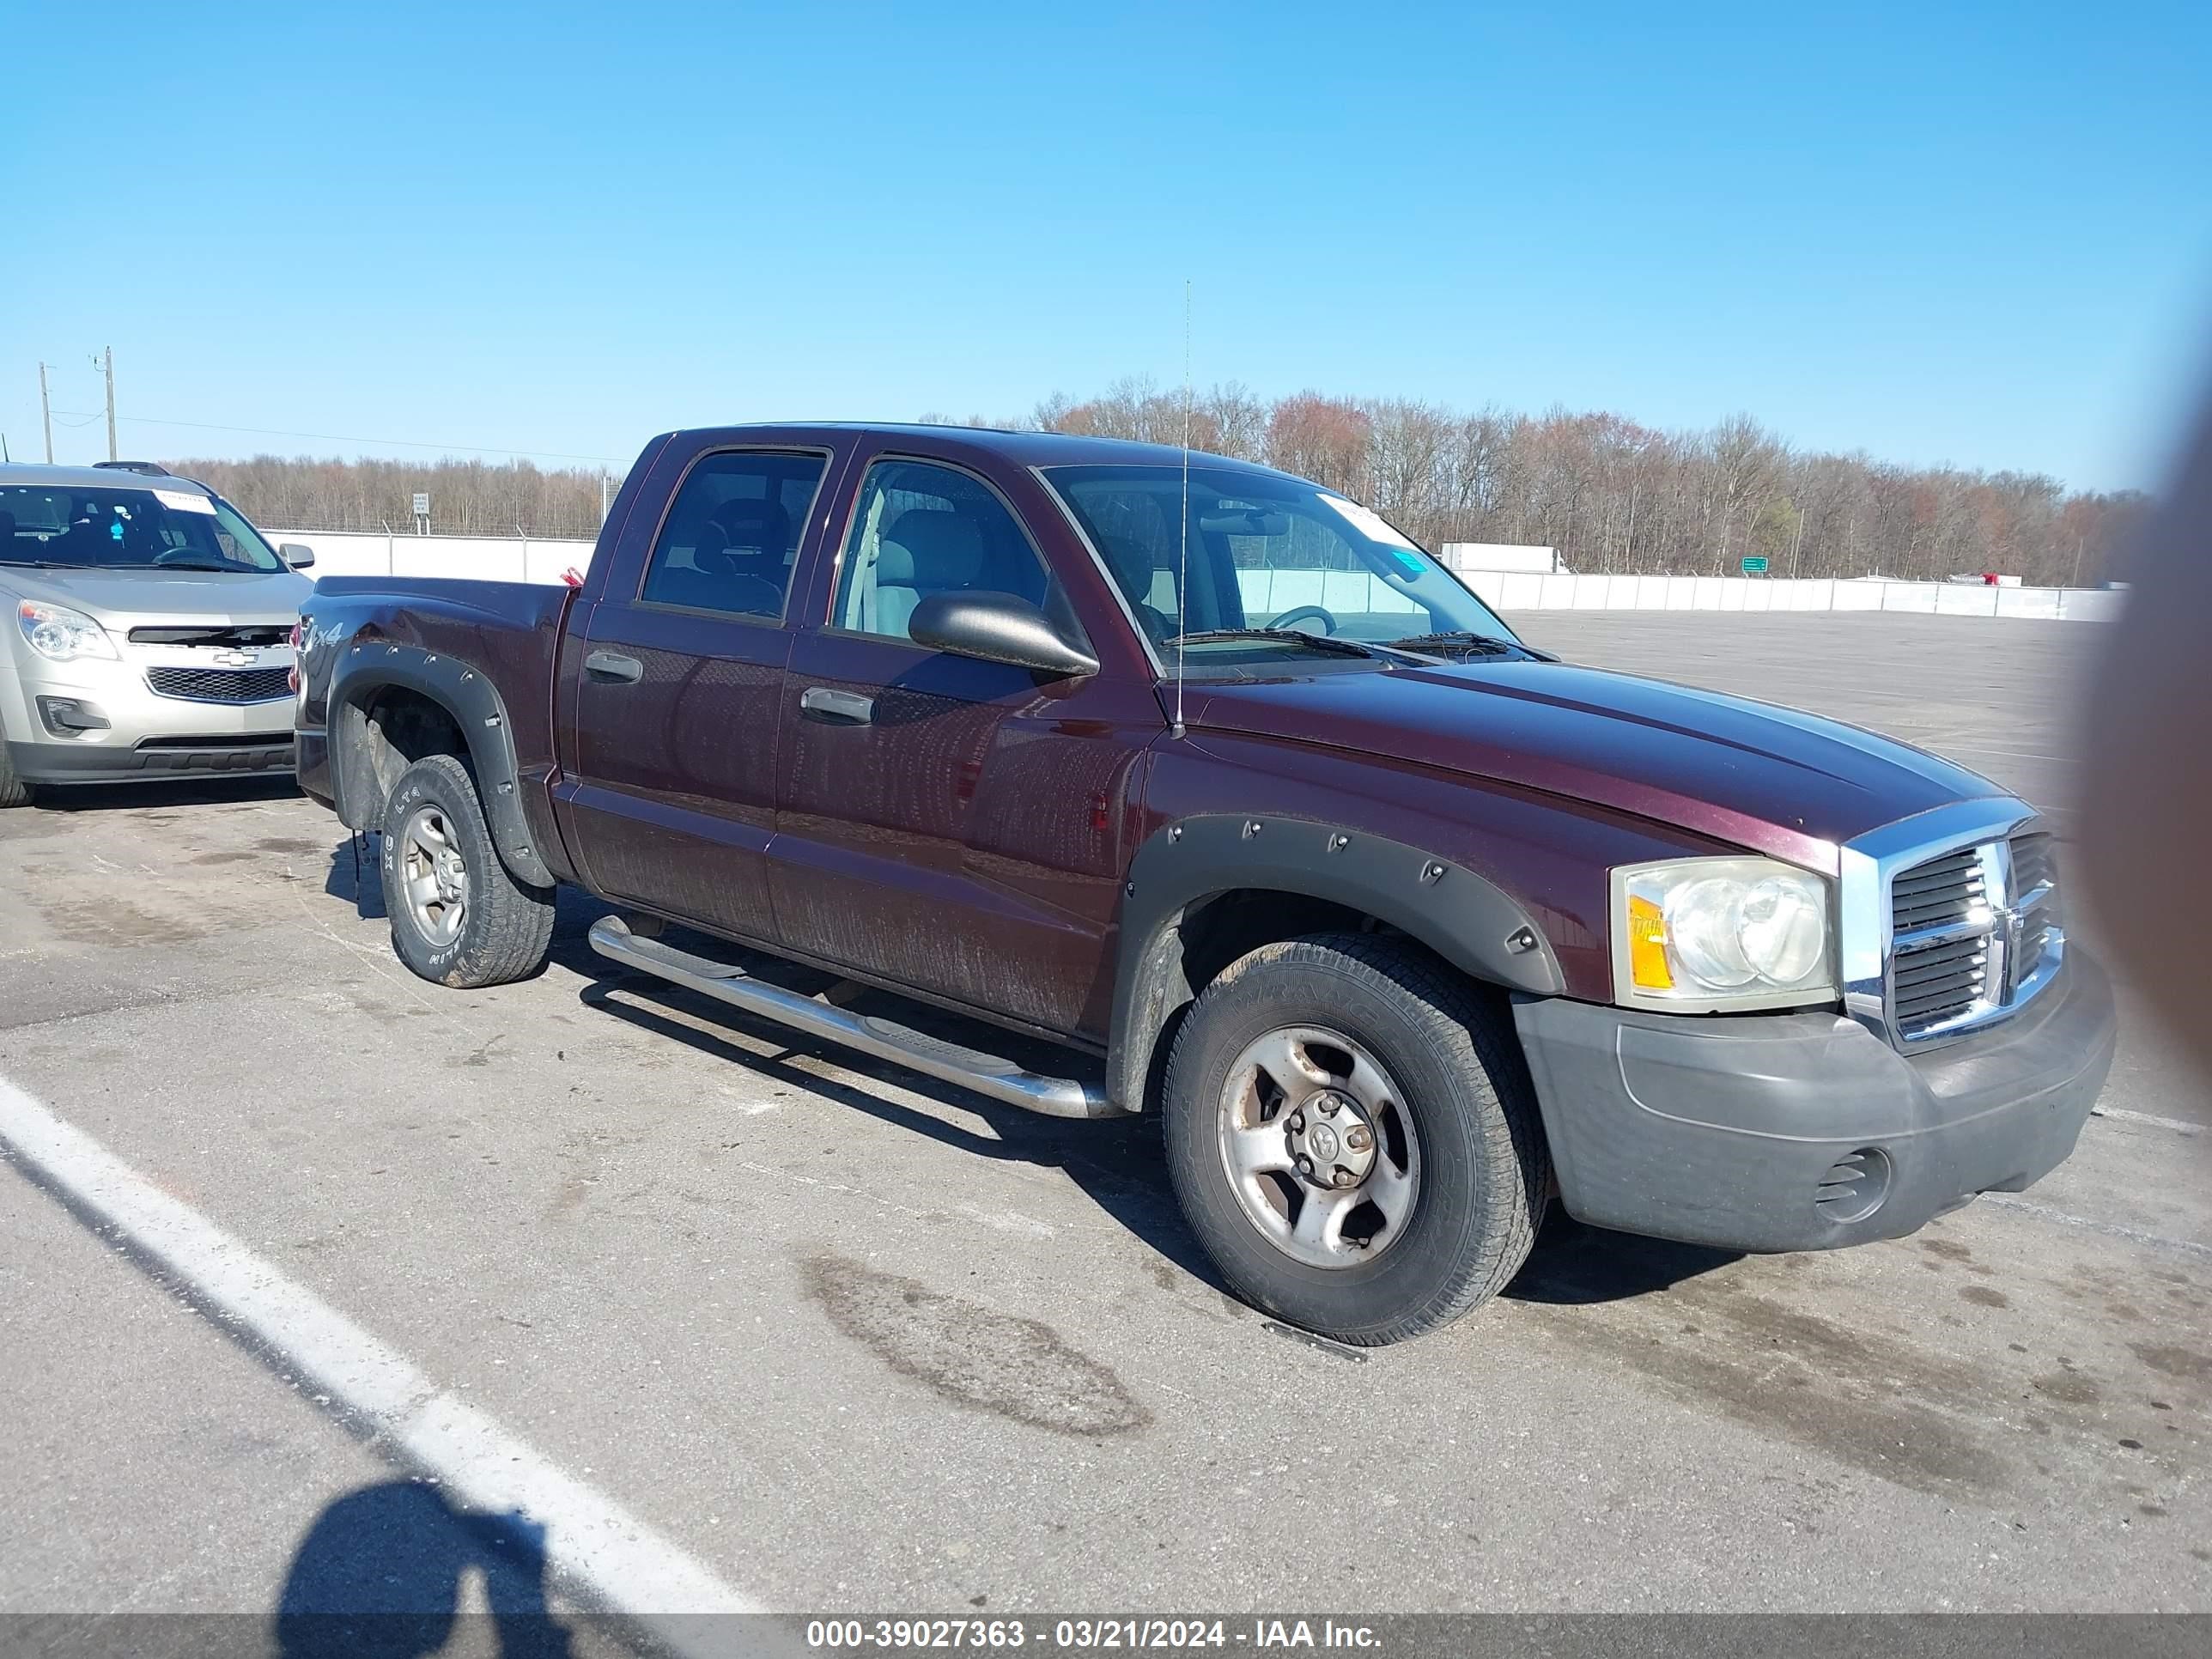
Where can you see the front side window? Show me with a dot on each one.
(919, 529)
(128, 529)
(1247, 550)
(731, 539)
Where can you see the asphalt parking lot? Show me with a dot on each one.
(856, 1341)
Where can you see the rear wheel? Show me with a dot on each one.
(458, 916)
(1353, 1135)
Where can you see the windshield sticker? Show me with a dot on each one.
(1368, 523)
(178, 500)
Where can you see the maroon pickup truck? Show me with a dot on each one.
(1211, 777)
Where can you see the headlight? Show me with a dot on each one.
(64, 635)
(1695, 935)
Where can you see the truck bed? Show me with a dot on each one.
(508, 632)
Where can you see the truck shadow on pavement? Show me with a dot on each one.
(353, 876)
(1117, 1162)
(1576, 1265)
(381, 1573)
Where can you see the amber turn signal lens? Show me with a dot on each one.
(1646, 946)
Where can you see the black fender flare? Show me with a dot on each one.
(1468, 921)
(463, 692)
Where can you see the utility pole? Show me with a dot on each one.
(107, 367)
(1796, 543)
(2076, 581)
(47, 414)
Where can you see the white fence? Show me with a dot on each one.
(1271, 593)
(1506, 591)
(478, 558)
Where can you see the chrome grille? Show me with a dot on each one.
(1969, 928)
(2034, 864)
(1932, 985)
(2035, 888)
(222, 685)
(1939, 892)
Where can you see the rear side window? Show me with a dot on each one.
(731, 536)
(919, 529)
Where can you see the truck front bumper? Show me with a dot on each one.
(1805, 1131)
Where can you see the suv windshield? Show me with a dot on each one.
(1267, 552)
(102, 528)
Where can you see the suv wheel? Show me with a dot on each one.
(1353, 1134)
(14, 792)
(458, 917)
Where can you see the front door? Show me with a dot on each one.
(675, 683)
(946, 823)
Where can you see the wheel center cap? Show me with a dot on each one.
(1331, 1140)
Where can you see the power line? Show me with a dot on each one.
(341, 438)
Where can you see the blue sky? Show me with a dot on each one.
(1976, 234)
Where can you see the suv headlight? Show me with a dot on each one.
(1699, 935)
(60, 634)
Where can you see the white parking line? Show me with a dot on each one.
(604, 1555)
(2090, 1224)
(2177, 1125)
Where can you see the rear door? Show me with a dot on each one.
(674, 681)
(949, 824)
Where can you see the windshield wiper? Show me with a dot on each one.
(40, 564)
(191, 564)
(1318, 641)
(1464, 639)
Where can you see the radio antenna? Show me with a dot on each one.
(1182, 573)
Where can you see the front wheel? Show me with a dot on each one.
(1353, 1134)
(458, 917)
(14, 792)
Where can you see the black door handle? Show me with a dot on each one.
(845, 708)
(614, 668)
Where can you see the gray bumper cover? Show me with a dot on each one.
(1720, 1130)
(70, 763)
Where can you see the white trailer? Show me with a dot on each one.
(1514, 556)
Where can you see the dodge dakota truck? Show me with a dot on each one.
(1212, 779)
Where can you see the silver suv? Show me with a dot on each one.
(148, 631)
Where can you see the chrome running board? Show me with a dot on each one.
(988, 1074)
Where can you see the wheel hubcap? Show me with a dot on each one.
(1318, 1146)
(436, 877)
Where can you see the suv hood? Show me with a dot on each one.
(1750, 774)
(122, 599)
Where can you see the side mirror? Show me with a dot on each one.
(297, 555)
(999, 628)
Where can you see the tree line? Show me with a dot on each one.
(467, 498)
(1610, 495)
(1613, 495)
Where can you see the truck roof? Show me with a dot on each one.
(94, 478)
(1023, 448)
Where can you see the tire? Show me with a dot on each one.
(502, 926)
(1457, 1147)
(14, 792)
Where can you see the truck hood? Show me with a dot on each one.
(122, 598)
(1753, 774)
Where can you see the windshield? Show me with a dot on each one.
(1265, 552)
(120, 528)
